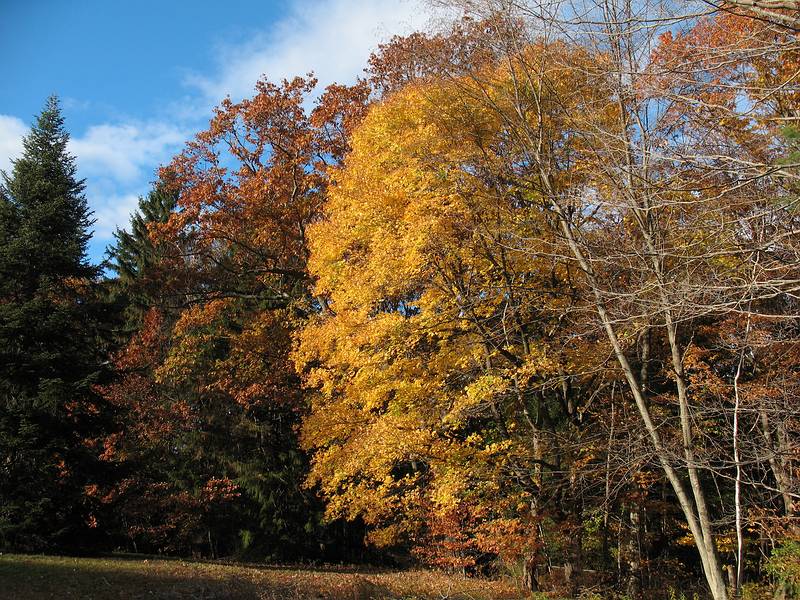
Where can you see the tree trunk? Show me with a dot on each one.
(529, 581)
(695, 512)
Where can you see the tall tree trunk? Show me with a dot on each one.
(696, 512)
(737, 576)
(776, 461)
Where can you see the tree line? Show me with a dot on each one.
(522, 299)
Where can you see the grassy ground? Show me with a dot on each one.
(128, 578)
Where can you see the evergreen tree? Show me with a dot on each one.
(50, 355)
(137, 261)
(134, 251)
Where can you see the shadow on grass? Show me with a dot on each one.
(39, 577)
(359, 569)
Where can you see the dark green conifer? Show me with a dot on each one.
(50, 350)
(134, 251)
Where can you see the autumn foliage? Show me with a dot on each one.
(522, 300)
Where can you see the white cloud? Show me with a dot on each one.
(112, 211)
(125, 151)
(119, 161)
(12, 130)
(332, 38)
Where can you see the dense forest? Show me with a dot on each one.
(522, 301)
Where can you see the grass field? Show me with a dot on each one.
(25, 577)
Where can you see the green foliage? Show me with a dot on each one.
(756, 591)
(51, 344)
(784, 566)
(679, 595)
(792, 137)
(45, 217)
(135, 258)
(134, 250)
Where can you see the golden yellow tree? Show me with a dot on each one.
(437, 356)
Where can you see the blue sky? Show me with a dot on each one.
(137, 79)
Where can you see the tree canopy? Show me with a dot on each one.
(51, 345)
(522, 300)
